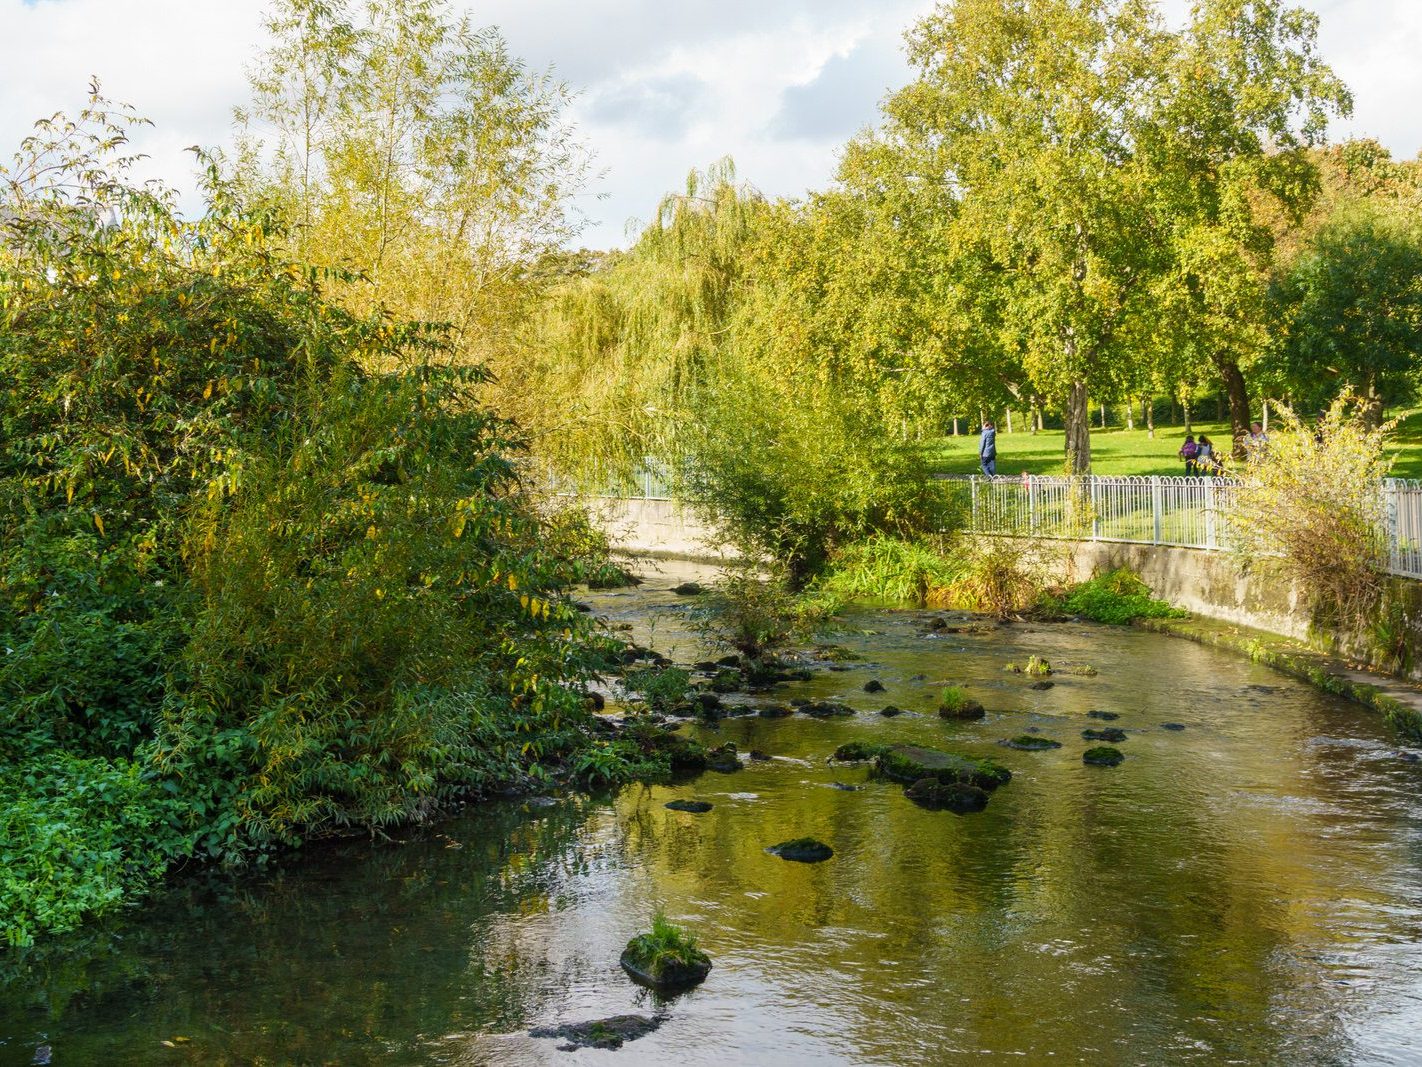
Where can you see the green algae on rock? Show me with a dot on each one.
(958, 797)
(912, 763)
(1103, 756)
(1029, 743)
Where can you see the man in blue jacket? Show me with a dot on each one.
(987, 449)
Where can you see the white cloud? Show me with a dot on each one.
(777, 84)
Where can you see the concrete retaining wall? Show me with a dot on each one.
(1205, 583)
(657, 528)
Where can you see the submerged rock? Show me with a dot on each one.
(873, 685)
(1082, 670)
(958, 797)
(1172, 726)
(827, 709)
(688, 589)
(1408, 757)
(911, 763)
(1028, 743)
(855, 751)
(1104, 716)
(1043, 685)
(609, 1033)
(696, 807)
(845, 787)
(757, 756)
(664, 973)
(802, 850)
(775, 711)
(890, 711)
(919, 678)
(1113, 734)
(1103, 756)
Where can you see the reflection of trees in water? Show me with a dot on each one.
(349, 956)
(1176, 907)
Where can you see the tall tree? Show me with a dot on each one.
(415, 150)
(1351, 309)
(1241, 97)
(1027, 111)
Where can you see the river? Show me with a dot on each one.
(1246, 890)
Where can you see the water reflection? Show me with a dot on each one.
(1244, 891)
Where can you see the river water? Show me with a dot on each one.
(1247, 890)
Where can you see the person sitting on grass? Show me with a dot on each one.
(1188, 451)
(987, 450)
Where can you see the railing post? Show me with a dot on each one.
(973, 482)
(1031, 505)
(1157, 507)
(1211, 541)
(1095, 508)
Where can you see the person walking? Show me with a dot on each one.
(987, 449)
(1188, 451)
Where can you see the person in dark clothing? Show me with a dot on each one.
(987, 450)
(1188, 451)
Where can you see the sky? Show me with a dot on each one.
(664, 85)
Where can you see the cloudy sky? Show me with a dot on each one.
(666, 85)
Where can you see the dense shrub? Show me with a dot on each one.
(1311, 501)
(269, 558)
(76, 836)
(1116, 597)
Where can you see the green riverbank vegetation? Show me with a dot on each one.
(268, 571)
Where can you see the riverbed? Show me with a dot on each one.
(1245, 890)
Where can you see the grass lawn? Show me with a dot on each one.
(1119, 451)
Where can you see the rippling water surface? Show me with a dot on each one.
(1248, 890)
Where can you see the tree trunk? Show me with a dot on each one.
(1150, 417)
(955, 425)
(1219, 407)
(1009, 420)
(1373, 411)
(1078, 430)
(1185, 407)
(1103, 414)
(1238, 402)
(1130, 415)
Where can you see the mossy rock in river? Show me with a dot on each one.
(958, 797)
(666, 959)
(873, 685)
(827, 709)
(775, 711)
(802, 850)
(1028, 743)
(1104, 716)
(728, 680)
(963, 711)
(695, 807)
(1103, 756)
(911, 763)
(890, 711)
(1114, 734)
(609, 1033)
(854, 751)
(1042, 686)
(723, 758)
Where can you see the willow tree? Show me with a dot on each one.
(620, 355)
(414, 150)
(1026, 111)
(1240, 101)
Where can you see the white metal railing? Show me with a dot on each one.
(1176, 511)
